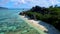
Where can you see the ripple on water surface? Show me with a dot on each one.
(11, 23)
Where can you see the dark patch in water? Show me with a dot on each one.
(3, 19)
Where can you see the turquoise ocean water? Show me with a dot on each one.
(10, 21)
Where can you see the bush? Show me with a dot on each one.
(49, 15)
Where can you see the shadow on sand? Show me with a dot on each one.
(51, 29)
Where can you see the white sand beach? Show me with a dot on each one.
(42, 26)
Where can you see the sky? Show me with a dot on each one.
(28, 3)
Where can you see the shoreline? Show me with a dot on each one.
(41, 26)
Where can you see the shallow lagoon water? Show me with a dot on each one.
(11, 23)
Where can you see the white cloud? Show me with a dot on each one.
(32, 2)
(18, 1)
(54, 2)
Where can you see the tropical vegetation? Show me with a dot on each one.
(49, 15)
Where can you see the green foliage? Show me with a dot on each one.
(49, 15)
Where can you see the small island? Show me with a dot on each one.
(49, 16)
(3, 8)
